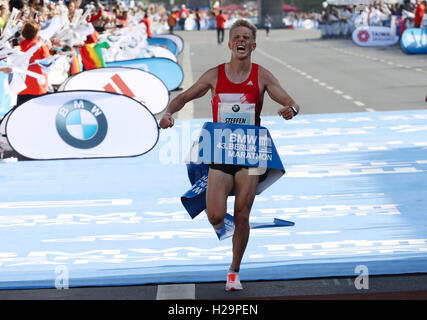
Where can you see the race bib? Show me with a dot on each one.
(236, 113)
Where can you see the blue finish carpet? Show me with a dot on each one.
(355, 186)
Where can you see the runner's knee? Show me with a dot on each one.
(215, 218)
(241, 217)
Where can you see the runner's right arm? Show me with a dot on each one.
(207, 81)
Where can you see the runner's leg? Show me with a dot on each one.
(219, 187)
(245, 186)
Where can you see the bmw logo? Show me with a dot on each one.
(81, 124)
(235, 108)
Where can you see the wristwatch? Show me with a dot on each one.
(294, 110)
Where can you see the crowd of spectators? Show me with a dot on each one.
(334, 20)
(33, 16)
(342, 20)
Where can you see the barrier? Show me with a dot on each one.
(179, 42)
(135, 83)
(81, 124)
(374, 37)
(158, 52)
(414, 41)
(165, 43)
(166, 70)
(5, 98)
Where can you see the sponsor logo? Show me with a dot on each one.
(363, 36)
(382, 36)
(235, 108)
(250, 83)
(81, 124)
(119, 83)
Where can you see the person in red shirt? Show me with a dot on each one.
(243, 83)
(147, 23)
(220, 26)
(96, 16)
(183, 15)
(171, 21)
(123, 19)
(30, 34)
(419, 13)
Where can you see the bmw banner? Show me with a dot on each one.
(135, 83)
(165, 69)
(223, 143)
(81, 124)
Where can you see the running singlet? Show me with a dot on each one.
(237, 103)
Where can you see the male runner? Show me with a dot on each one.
(244, 83)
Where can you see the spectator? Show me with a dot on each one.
(419, 13)
(171, 21)
(99, 9)
(267, 24)
(123, 18)
(220, 26)
(30, 32)
(147, 23)
(71, 6)
(4, 13)
(183, 15)
(18, 4)
(197, 19)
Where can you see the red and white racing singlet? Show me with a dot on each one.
(238, 103)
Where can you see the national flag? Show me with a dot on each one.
(76, 63)
(92, 55)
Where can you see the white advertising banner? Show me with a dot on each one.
(132, 82)
(160, 52)
(81, 124)
(374, 37)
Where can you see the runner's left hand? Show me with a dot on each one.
(286, 113)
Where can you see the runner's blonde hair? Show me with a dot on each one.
(243, 23)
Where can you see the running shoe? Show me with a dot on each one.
(233, 282)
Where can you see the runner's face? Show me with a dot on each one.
(241, 42)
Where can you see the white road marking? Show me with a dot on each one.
(176, 292)
(65, 203)
(391, 63)
(310, 77)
